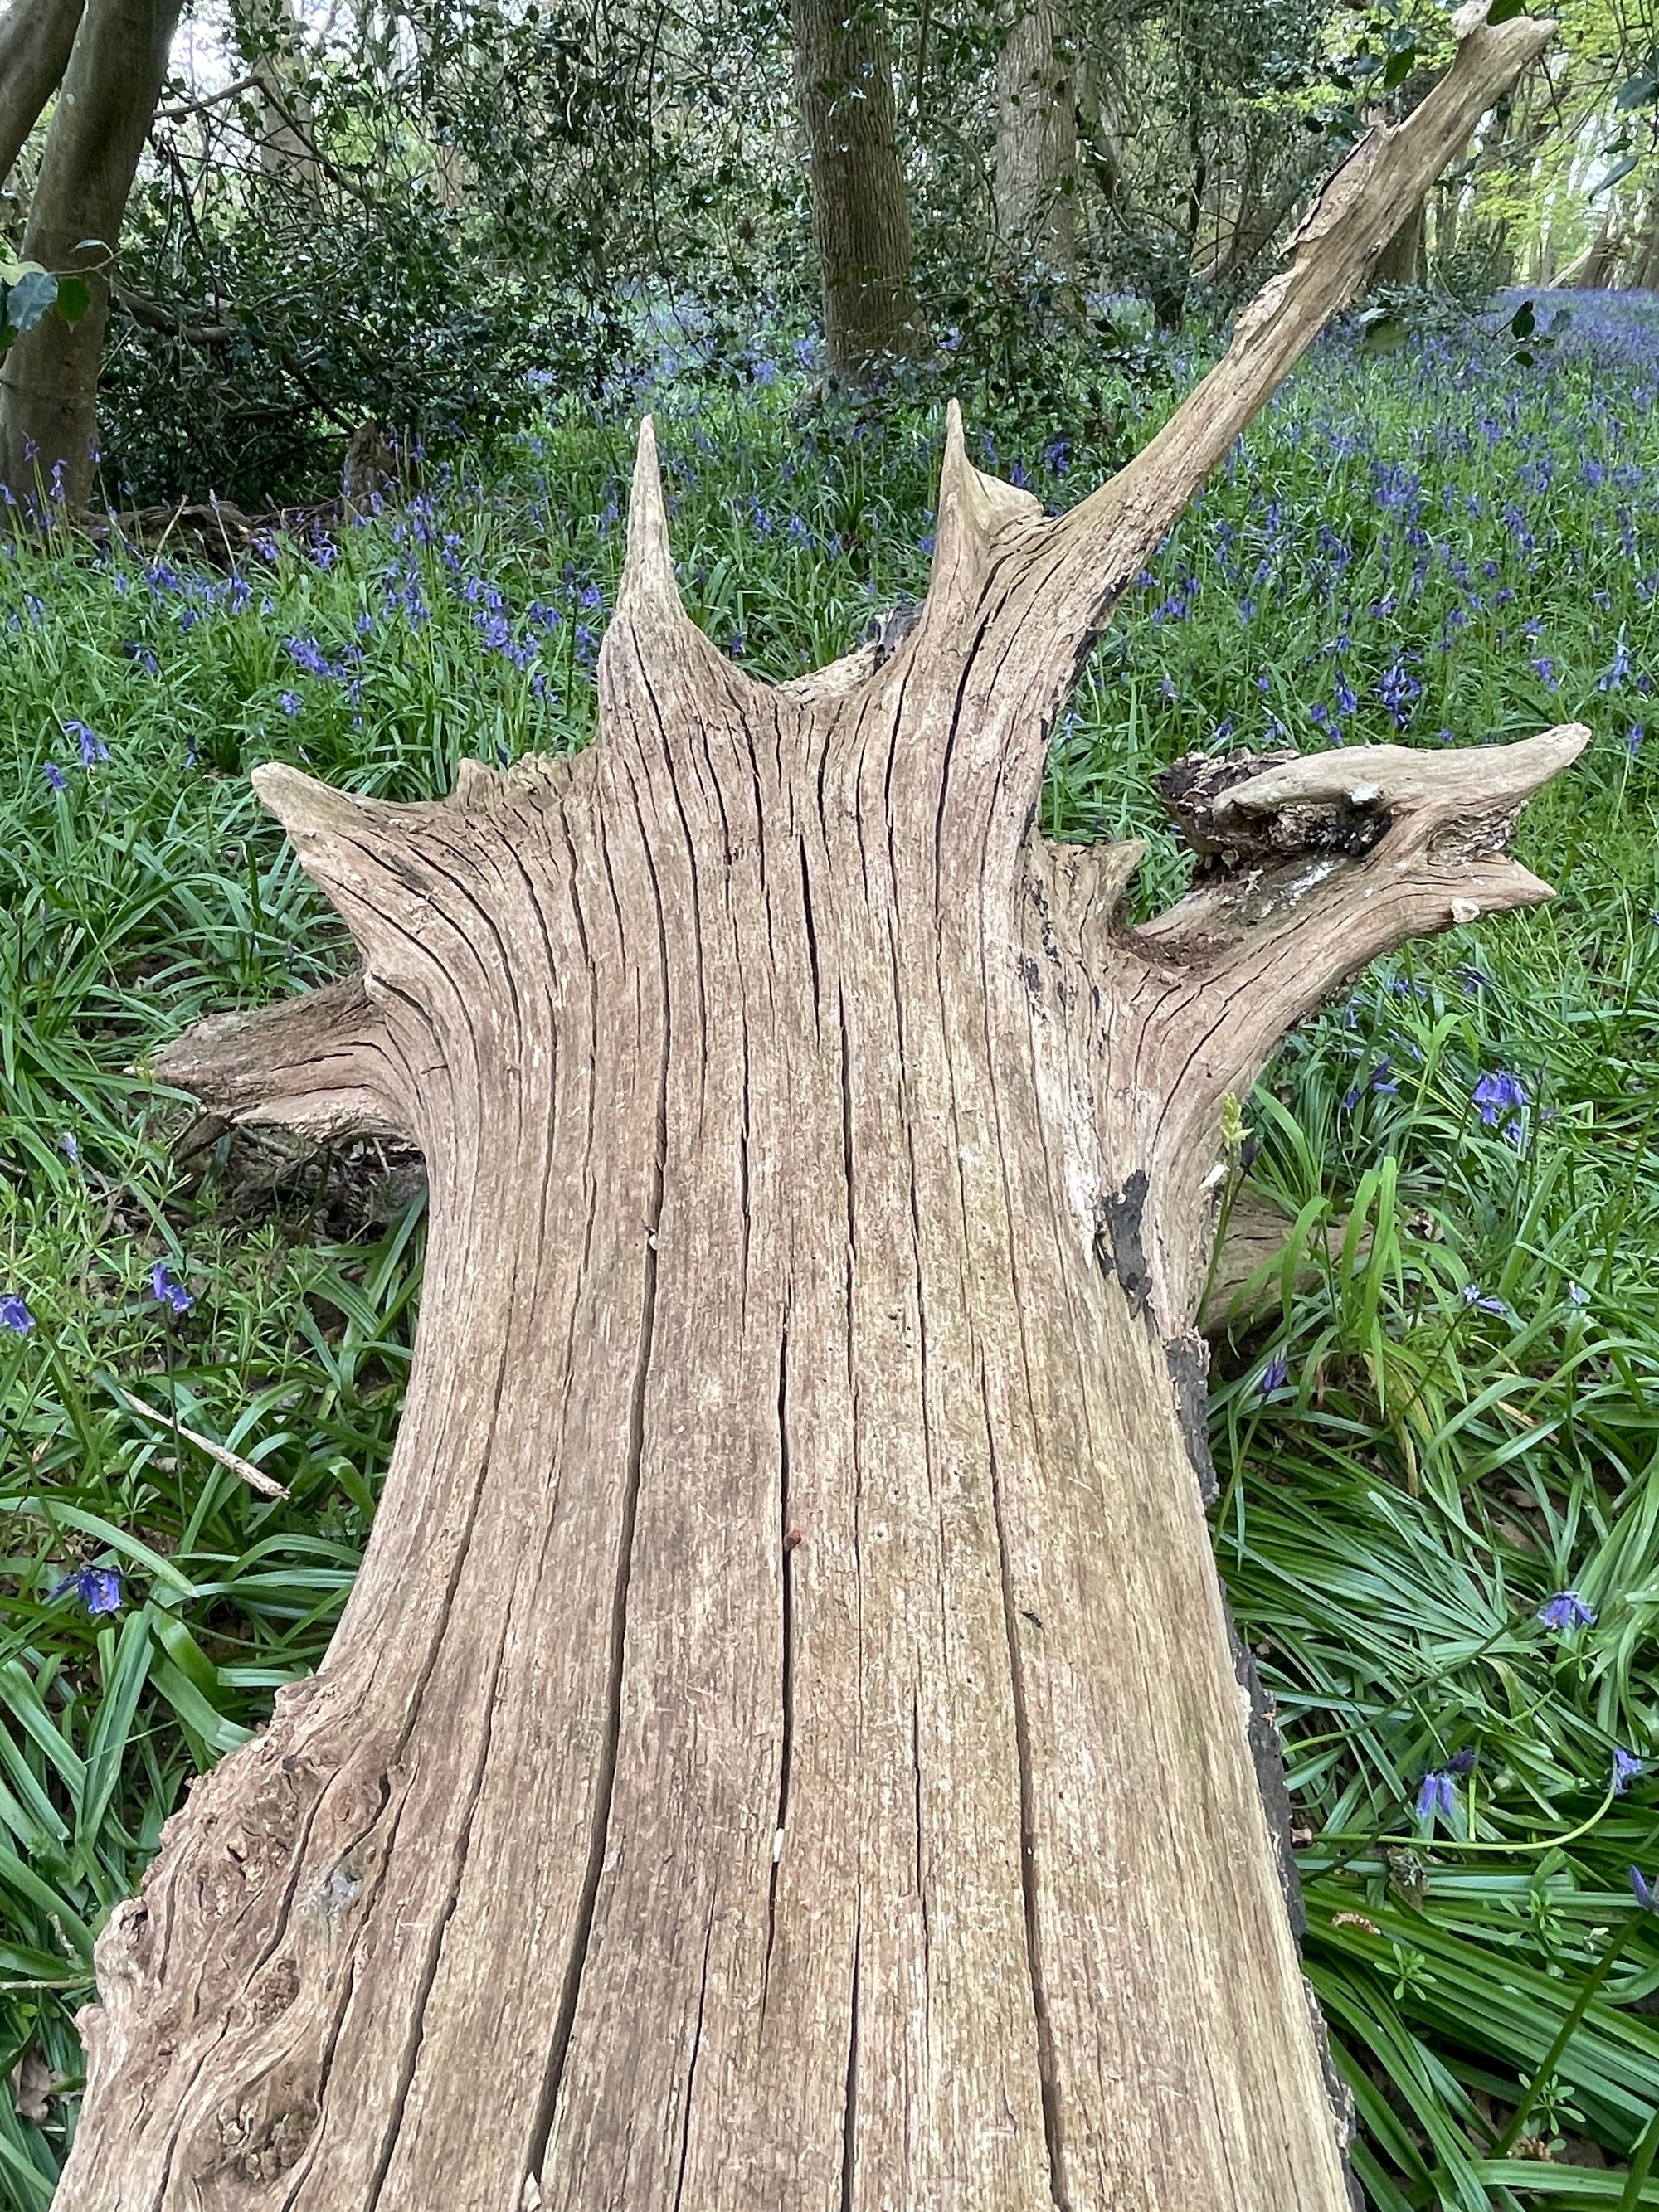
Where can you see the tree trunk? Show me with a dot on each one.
(1595, 271)
(35, 38)
(271, 39)
(1645, 269)
(1037, 141)
(783, 1748)
(48, 384)
(861, 219)
(1400, 261)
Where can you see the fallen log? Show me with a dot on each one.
(784, 1747)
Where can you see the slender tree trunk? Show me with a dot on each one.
(1595, 271)
(35, 38)
(783, 1751)
(48, 384)
(1447, 208)
(1400, 261)
(1036, 140)
(1645, 262)
(861, 219)
(1100, 141)
(271, 39)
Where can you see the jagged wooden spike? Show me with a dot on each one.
(784, 1748)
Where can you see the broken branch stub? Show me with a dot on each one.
(783, 1746)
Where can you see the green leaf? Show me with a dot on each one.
(1616, 175)
(1501, 10)
(30, 295)
(1400, 67)
(1523, 322)
(74, 298)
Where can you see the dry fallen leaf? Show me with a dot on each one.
(33, 2082)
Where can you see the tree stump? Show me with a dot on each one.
(783, 1748)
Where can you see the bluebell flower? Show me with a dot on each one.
(306, 654)
(1567, 1610)
(15, 1314)
(1626, 1769)
(56, 777)
(1274, 1375)
(1643, 1890)
(70, 1148)
(1382, 1079)
(288, 701)
(98, 1589)
(167, 1290)
(93, 747)
(1497, 1093)
(1578, 1294)
(1350, 1098)
(1399, 691)
(1472, 1297)
(1437, 1793)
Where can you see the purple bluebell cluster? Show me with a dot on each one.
(15, 1313)
(1447, 489)
(98, 1589)
(167, 1290)
(1567, 1610)
(1436, 1794)
(1497, 1093)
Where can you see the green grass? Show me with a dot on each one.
(1393, 1518)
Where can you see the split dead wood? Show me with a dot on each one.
(784, 1747)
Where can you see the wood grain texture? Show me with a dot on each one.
(784, 1747)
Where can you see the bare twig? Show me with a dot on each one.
(255, 1477)
(208, 99)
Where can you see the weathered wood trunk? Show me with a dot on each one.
(783, 1748)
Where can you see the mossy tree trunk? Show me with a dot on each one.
(861, 214)
(783, 1748)
(1036, 145)
(35, 38)
(49, 381)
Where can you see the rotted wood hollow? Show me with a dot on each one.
(784, 1747)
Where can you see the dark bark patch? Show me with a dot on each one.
(1227, 840)
(1118, 1244)
(1268, 1756)
(1189, 1369)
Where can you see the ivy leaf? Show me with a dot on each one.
(30, 293)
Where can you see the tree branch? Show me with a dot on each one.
(1106, 539)
(323, 1063)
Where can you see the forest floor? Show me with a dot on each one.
(1439, 1518)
